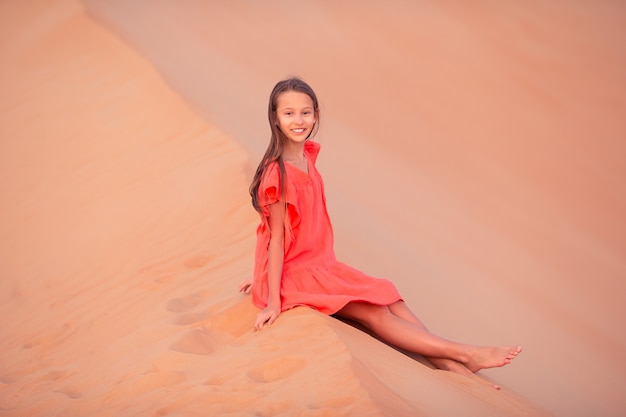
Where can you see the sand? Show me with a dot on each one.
(472, 154)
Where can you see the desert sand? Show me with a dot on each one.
(473, 155)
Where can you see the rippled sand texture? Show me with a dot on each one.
(473, 154)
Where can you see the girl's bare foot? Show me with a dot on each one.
(490, 357)
(458, 368)
(450, 365)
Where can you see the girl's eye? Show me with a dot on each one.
(307, 113)
(288, 113)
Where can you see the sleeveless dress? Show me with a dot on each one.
(312, 276)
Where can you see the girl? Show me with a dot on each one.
(295, 262)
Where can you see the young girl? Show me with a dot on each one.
(295, 263)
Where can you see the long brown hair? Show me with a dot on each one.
(278, 139)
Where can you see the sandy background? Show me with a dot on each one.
(473, 154)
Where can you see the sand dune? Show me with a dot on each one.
(472, 155)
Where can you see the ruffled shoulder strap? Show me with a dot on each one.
(312, 149)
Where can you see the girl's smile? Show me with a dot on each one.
(295, 115)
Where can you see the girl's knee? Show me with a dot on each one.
(379, 314)
(365, 313)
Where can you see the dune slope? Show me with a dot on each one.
(473, 154)
(126, 224)
(126, 229)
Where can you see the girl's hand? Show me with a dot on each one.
(267, 317)
(245, 286)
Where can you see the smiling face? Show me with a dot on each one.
(295, 115)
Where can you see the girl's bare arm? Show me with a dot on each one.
(276, 256)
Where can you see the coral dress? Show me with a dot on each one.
(312, 276)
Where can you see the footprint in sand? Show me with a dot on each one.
(226, 320)
(198, 261)
(192, 317)
(10, 378)
(277, 369)
(217, 380)
(71, 391)
(165, 272)
(187, 303)
(234, 321)
(53, 376)
(196, 342)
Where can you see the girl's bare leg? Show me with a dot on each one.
(401, 310)
(414, 338)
